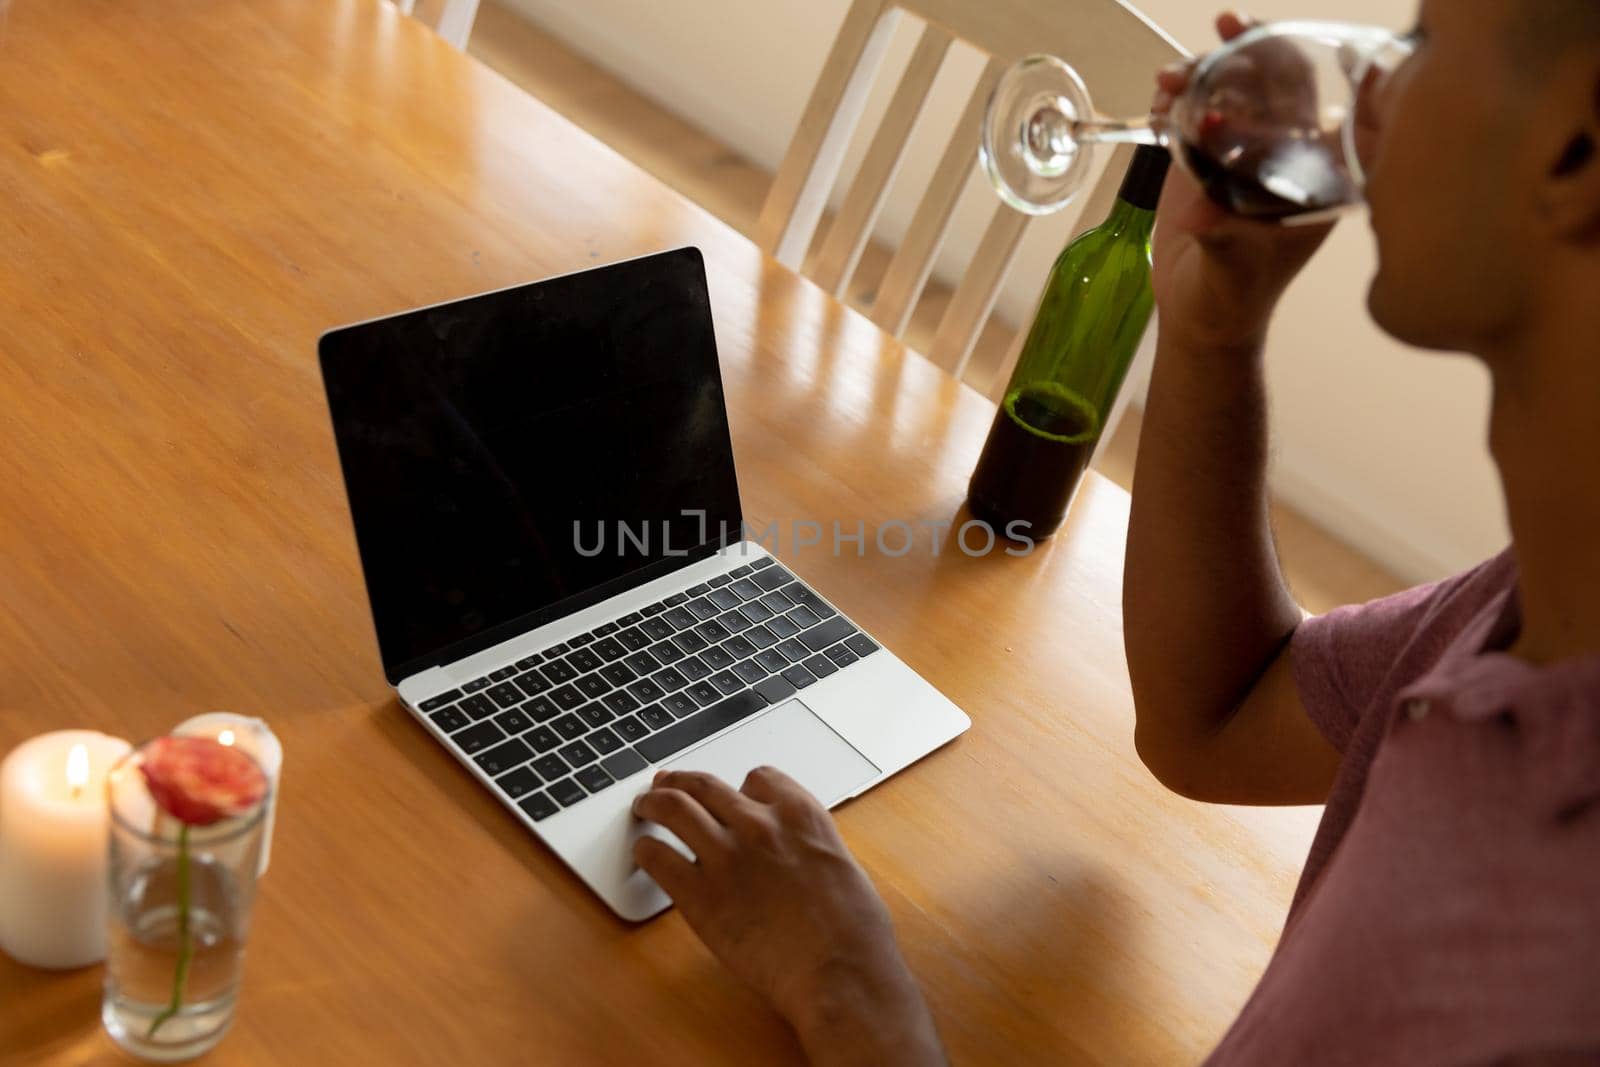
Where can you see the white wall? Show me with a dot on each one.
(1383, 446)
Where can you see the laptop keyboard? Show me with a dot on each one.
(563, 724)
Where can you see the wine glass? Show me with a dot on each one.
(1275, 124)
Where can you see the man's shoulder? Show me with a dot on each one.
(1348, 661)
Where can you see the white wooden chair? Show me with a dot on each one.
(1116, 49)
(450, 19)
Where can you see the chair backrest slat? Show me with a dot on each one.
(450, 19)
(455, 22)
(1114, 47)
(852, 227)
(804, 178)
(912, 262)
(980, 288)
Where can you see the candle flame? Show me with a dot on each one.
(225, 737)
(77, 768)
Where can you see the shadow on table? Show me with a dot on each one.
(1054, 961)
(62, 1016)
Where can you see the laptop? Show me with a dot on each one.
(543, 492)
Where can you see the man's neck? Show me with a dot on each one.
(1544, 432)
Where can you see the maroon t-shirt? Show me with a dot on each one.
(1449, 912)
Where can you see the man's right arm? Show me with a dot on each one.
(1207, 616)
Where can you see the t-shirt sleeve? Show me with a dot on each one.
(1342, 659)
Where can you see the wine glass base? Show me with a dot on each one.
(1029, 146)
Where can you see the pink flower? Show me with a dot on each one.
(199, 781)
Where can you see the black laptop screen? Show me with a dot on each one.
(512, 457)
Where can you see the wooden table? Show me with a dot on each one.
(192, 191)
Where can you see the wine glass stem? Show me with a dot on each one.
(1148, 130)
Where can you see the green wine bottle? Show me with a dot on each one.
(1090, 321)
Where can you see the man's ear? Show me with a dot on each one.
(1570, 198)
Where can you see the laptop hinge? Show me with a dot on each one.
(419, 687)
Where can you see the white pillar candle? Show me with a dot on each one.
(54, 824)
(254, 738)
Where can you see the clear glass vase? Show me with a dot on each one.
(181, 898)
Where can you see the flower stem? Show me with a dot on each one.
(185, 943)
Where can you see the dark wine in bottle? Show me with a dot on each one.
(1091, 318)
(1036, 452)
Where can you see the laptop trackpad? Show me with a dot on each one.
(791, 738)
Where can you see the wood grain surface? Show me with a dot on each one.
(192, 192)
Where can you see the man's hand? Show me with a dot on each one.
(1217, 277)
(777, 897)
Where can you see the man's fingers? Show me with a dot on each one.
(676, 876)
(1195, 212)
(770, 785)
(1174, 79)
(1170, 82)
(684, 816)
(1231, 24)
(712, 793)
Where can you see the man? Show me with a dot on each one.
(1450, 908)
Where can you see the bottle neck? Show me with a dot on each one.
(1140, 192)
(1125, 218)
